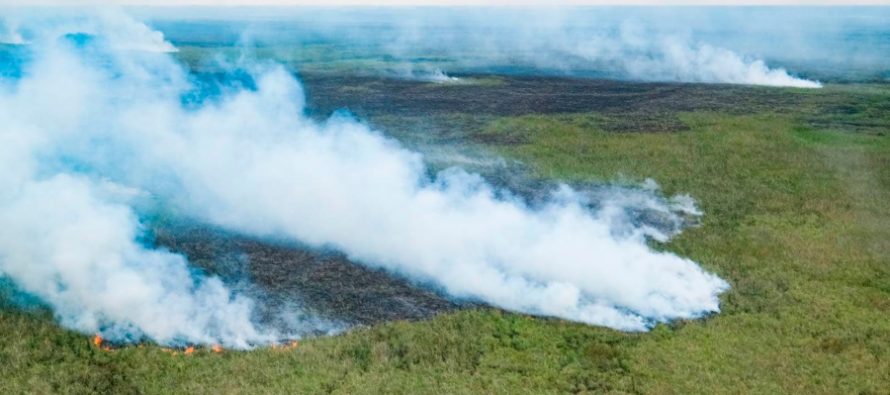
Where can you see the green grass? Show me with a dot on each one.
(797, 219)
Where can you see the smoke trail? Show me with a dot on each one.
(677, 59)
(628, 50)
(641, 54)
(90, 127)
(635, 44)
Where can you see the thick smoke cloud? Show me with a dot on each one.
(93, 127)
(71, 238)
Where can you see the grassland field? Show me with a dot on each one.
(795, 187)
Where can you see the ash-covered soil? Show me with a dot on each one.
(642, 106)
(284, 277)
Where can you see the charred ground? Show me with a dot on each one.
(284, 276)
(621, 106)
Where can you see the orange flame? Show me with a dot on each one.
(99, 342)
(189, 350)
(216, 348)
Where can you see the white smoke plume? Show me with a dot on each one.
(90, 128)
(436, 76)
(628, 50)
(66, 242)
(71, 239)
(105, 24)
(642, 55)
(636, 44)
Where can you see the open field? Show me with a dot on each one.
(794, 184)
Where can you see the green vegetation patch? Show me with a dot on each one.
(797, 219)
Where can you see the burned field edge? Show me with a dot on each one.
(796, 193)
(282, 276)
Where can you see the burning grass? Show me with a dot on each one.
(188, 350)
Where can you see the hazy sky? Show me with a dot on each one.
(444, 2)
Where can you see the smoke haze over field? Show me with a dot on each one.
(776, 46)
(96, 126)
(780, 46)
